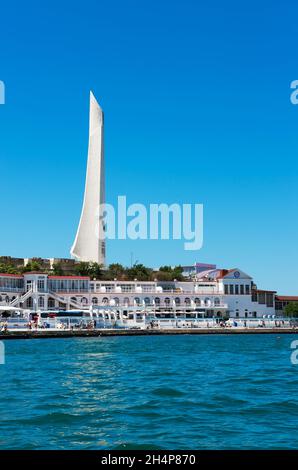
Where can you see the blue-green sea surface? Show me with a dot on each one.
(159, 392)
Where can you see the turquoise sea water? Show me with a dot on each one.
(170, 392)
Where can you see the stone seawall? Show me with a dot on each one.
(43, 334)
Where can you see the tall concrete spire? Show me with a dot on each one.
(89, 244)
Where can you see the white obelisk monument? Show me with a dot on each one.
(89, 244)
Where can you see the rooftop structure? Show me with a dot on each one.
(193, 269)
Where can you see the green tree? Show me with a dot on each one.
(291, 309)
(94, 270)
(82, 268)
(57, 269)
(3, 268)
(31, 266)
(140, 272)
(10, 269)
(167, 273)
(177, 273)
(161, 275)
(166, 269)
(116, 270)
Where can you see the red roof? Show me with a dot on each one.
(70, 277)
(11, 275)
(222, 273)
(287, 297)
(262, 290)
(20, 276)
(35, 272)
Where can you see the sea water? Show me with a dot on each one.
(152, 392)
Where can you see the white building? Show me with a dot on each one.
(214, 293)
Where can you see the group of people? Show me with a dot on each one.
(4, 327)
(90, 325)
(32, 324)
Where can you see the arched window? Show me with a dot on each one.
(187, 301)
(105, 301)
(137, 300)
(147, 301)
(84, 301)
(29, 302)
(7, 299)
(207, 302)
(197, 301)
(41, 302)
(167, 301)
(177, 301)
(157, 301)
(126, 301)
(116, 300)
(95, 300)
(51, 303)
(216, 301)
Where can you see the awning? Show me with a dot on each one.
(9, 308)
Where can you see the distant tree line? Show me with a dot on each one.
(9, 268)
(123, 273)
(97, 271)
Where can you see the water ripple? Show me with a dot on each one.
(174, 392)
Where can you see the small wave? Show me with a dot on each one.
(287, 406)
(168, 392)
(135, 446)
(52, 418)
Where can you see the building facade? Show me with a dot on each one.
(214, 293)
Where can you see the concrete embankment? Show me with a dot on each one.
(43, 334)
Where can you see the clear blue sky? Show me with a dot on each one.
(197, 109)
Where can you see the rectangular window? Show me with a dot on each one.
(74, 286)
(247, 289)
(231, 289)
(262, 298)
(40, 284)
(127, 287)
(109, 287)
(83, 286)
(226, 289)
(242, 289)
(269, 300)
(254, 296)
(236, 289)
(148, 287)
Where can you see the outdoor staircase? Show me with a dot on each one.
(66, 301)
(21, 299)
